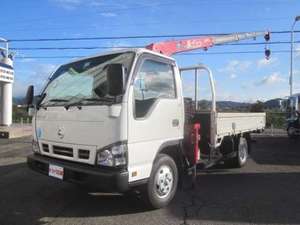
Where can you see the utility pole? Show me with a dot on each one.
(297, 18)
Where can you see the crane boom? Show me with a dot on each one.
(175, 46)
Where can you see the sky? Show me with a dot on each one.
(243, 77)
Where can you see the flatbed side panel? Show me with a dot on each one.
(236, 123)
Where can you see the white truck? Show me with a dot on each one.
(119, 121)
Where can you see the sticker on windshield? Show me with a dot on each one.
(39, 132)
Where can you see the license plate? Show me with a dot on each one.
(56, 171)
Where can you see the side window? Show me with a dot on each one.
(154, 80)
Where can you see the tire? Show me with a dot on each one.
(162, 184)
(291, 132)
(242, 152)
(242, 149)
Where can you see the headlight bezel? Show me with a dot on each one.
(117, 155)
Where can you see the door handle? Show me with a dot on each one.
(175, 122)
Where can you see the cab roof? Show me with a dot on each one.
(135, 50)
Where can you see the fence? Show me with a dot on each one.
(276, 120)
(22, 120)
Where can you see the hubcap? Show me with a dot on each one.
(243, 150)
(163, 181)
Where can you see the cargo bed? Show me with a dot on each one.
(236, 123)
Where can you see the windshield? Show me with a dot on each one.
(83, 81)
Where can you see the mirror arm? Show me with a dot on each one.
(40, 98)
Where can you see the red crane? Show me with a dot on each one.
(175, 46)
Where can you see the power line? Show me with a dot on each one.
(74, 48)
(92, 26)
(129, 37)
(192, 53)
(263, 43)
(109, 37)
(113, 47)
(236, 52)
(50, 57)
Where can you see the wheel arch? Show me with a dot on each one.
(171, 148)
(230, 143)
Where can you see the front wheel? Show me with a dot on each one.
(163, 181)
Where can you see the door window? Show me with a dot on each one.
(154, 80)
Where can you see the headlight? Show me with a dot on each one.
(35, 146)
(116, 155)
(105, 158)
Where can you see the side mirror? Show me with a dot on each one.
(115, 79)
(29, 96)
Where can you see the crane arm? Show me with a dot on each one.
(175, 46)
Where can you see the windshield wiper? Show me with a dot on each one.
(79, 103)
(45, 104)
(58, 100)
(98, 99)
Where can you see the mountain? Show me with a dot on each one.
(18, 101)
(239, 106)
(232, 105)
(273, 103)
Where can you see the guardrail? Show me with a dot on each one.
(22, 120)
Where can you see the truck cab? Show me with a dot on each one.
(108, 117)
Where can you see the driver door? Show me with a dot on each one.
(155, 113)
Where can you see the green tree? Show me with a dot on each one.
(257, 107)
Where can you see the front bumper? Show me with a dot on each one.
(98, 178)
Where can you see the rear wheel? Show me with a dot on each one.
(291, 132)
(163, 181)
(242, 153)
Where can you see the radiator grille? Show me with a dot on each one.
(83, 154)
(64, 151)
(45, 147)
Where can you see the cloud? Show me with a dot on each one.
(68, 4)
(118, 44)
(297, 50)
(188, 88)
(235, 67)
(296, 72)
(19, 89)
(37, 76)
(273, 78)
(264, 62)
(108, 14)
(27, 60)
(232, 76)
(246, 85)
(74, 4)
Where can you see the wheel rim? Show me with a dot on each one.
(164, 180)
(291, 131)
(243, 150)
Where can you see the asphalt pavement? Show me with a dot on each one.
(265, 191)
